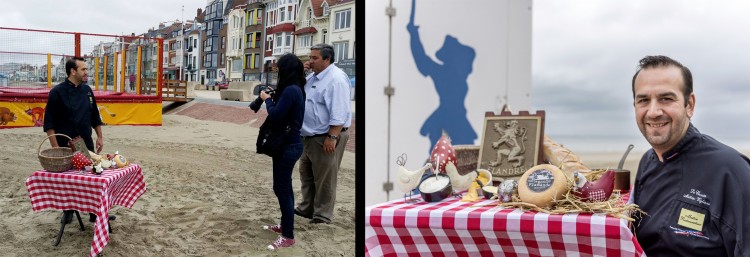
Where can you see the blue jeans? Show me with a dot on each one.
(283, 165)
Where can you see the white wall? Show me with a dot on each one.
(500, 34)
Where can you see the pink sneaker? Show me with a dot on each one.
(281, 242)
(274, 228)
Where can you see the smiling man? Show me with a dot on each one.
(694, 189)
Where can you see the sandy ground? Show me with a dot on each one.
(208, 192)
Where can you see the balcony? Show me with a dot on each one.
(304, 23)
(282, 50)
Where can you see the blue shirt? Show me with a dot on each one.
(288, 111)
(328, 101)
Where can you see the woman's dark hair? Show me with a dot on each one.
(291, 72)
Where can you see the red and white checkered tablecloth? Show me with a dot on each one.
(454, 228)
(87, 192)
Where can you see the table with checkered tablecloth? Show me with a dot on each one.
(86, 192)
(454, 228)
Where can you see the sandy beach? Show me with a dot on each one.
(208, 192)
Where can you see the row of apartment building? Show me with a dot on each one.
(240, 40)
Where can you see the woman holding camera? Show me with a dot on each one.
(286, 108)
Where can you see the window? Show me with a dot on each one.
(326, 9)
(221, 59)
(237, 65)
(281, 15)
(248, 61)
(195, 63)
(278, 40)
(340, 51)
(195, 42)
(250, 15)
(305, 41)
(288, 39)
(223, 42)
(309, 13)
(343, 19)
(257, 61)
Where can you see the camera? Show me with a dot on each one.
(255, 105)
(268, 89)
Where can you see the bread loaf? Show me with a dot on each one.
(562, 157)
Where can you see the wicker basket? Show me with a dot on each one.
(56, 159)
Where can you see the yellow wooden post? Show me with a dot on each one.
(138, 73)
(122, 72)
(114, 74)
(105, 71)
(96, 73)
(49, 70)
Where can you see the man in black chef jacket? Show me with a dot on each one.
(694, 189)
(71, 110)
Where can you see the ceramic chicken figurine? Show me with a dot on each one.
(483, 178)
(464, 182)
(443, 154)
(409, 180)
(596, 191)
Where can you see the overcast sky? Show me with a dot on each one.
(95, 16)
(585, 54)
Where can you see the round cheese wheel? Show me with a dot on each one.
(541, 185)
(120, 161)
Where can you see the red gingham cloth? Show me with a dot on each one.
(454, 228)
(87, 192)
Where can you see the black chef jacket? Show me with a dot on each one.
(72, 111)
(697, 200)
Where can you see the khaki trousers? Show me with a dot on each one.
(318, 172)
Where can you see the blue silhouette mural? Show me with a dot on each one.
(451, 84)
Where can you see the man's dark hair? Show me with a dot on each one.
(653, 61)
(326, 51)
(71, 64)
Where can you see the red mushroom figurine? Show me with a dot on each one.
(443, 153)
(80, 161)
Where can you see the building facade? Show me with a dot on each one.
(210, 40)
(311, 25)
(254, 40)
(281, 15)
(342, 29)
(235, 43)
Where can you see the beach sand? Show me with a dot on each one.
(208, 193)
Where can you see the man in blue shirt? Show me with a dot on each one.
(324, 134)
(693, 188)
